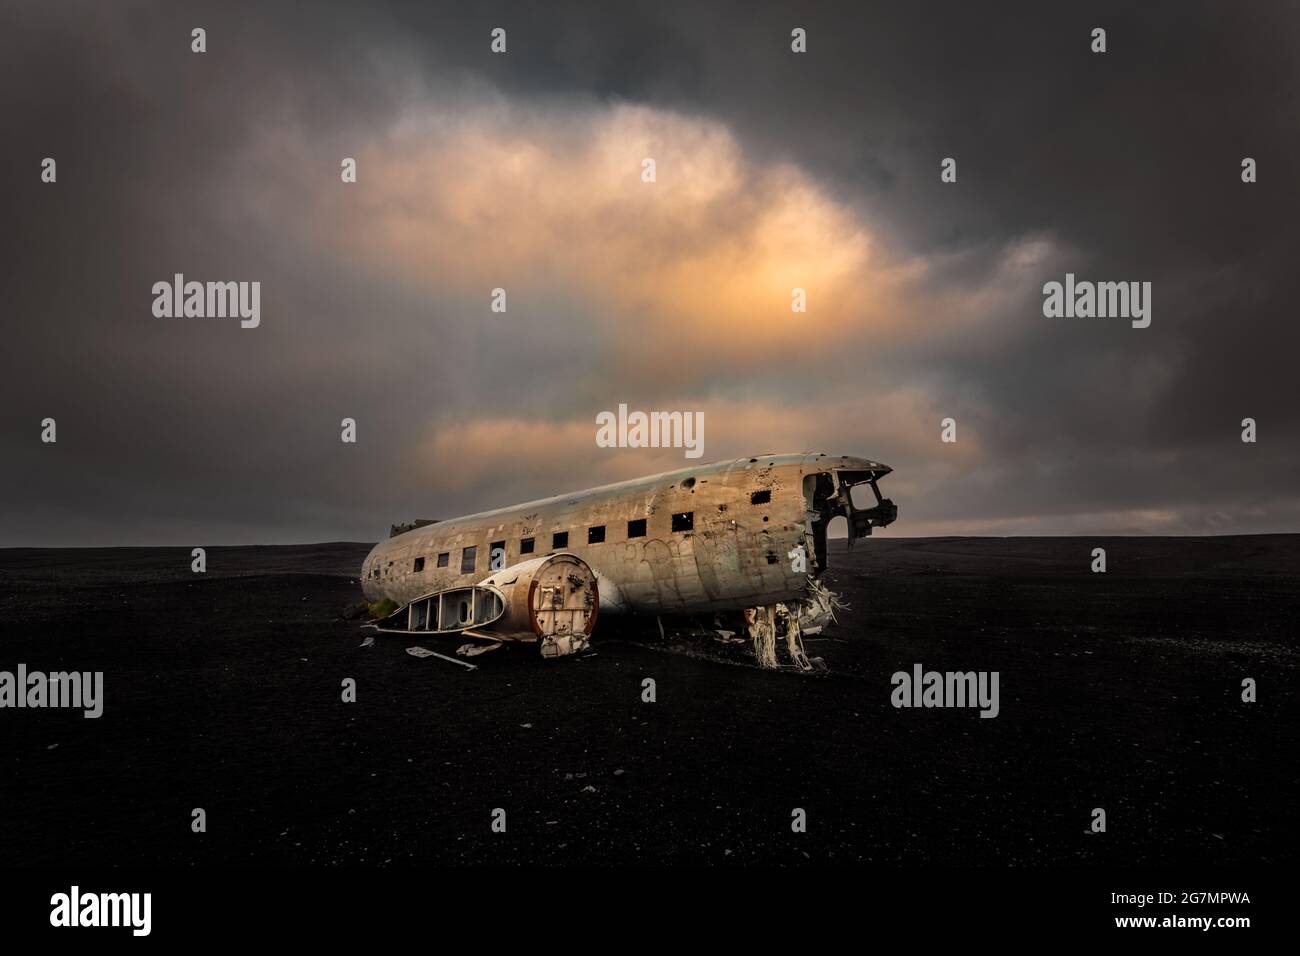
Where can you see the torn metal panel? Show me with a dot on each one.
(447, 612)
(767, 625)
(818, 608)
(397, 529)
(761, 622)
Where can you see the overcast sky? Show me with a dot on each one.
(522, 171)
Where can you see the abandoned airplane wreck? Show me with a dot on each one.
(744, 540)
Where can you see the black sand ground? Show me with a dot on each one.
(223, 691)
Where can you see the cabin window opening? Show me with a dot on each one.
(468, 558)
(771, 557)
(444, 559)
(761, 497)
(636, 528)
(596, 534)
(525, 545)
(560, 539)
(684, 521)
(497, 555)
(418, 566)
(688, 484)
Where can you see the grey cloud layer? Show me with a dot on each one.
(1119, 167)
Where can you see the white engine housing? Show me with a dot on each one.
(553, 599)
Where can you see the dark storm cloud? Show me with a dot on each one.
(1122, 166)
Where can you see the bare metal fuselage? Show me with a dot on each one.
(712, 537)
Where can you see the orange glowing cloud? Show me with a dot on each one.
(710, 251)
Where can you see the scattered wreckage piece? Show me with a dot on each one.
(474, 650)
(425, 652)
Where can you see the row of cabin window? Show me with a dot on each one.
(685, 521)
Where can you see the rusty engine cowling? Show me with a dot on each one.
(552, 599)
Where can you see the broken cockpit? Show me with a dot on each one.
(831, 494)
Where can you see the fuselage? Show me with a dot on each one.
(713, 536)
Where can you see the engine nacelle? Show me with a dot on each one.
(553, 599)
